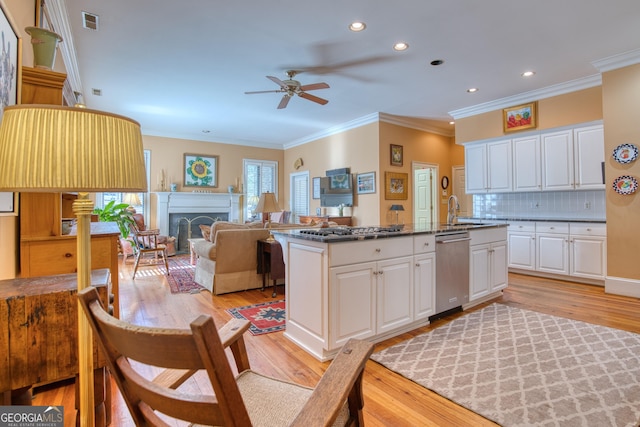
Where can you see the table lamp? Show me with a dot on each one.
(397, 209)
(45, 148)
(132, 199)
(267, 204)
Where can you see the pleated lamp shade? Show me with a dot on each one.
(52, 148)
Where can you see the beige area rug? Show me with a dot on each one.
(523, 368)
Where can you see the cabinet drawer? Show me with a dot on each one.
(552, 227)
(423, 243)
(588, 229)
(345, 253)
(527, 226)
(487, 235)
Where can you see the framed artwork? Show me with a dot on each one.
(366, 182)
(10, 55)
(396, 155)
(520, 117)
(396, 185)
(316, 187)
(200, 171)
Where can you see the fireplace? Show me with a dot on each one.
(186, 226)
(180, 213)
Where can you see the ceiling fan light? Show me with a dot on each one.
(400, 46)
(357, 26)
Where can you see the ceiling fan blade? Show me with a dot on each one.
(284, 101)
(263, 91)
(278, 82)
(315, 86)
(313, 98)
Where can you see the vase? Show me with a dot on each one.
(44, 44)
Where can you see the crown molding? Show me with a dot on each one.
(56, 12)
(356, 123)
(621, 60)
(547, 92)
(414, 123)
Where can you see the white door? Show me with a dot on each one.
(299, 201)
(425, 208)
(459, 189)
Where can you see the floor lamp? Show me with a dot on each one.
(45, 148)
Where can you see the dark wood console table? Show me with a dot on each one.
(38, 337)
(270, 261)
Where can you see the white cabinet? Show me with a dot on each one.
(488, 167)
(526, 164)
(552, 247)
(588, 251)
(394, 282)
(573, 159)
(522, 245)
(487, 262)
(424, 276)
(589, 157)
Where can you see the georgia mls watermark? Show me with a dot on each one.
(31, 416)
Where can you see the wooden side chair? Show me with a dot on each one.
(150, 246)
(245, 399)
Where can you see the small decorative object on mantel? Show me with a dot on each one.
(625, 185)
(625, 153)
(44, 44)
(520, 117)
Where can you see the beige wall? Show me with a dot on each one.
(356, 149)
(168, 154)
(418, 146)
(562, 110)
(621, 103)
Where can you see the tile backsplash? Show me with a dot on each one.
(544, 205)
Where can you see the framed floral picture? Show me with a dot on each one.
(396, 155)
(200, 171)
(520, 117)
(396, 185)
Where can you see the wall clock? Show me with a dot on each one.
(445, 182)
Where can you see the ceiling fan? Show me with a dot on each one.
(292, 87)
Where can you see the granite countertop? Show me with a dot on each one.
(407, 230)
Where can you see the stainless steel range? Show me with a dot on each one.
(351, 232)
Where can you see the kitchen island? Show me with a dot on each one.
(377, 282)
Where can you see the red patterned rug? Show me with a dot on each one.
(181, 274)
(264, 317)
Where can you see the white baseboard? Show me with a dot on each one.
(622, 286)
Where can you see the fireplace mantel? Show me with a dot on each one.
(192, 203)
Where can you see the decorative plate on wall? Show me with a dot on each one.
(625, 153)
(625, 185)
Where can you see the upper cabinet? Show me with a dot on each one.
(568, 159)
(488, 167)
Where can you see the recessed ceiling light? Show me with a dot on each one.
(437, 62)
(472, 90)
(400, 46)
(528, 73)
(357, 26)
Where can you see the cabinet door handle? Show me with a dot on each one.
(381, 272)
(68, 255)
(377, 250)
(375, 273)
(417, 264)
(426, 244)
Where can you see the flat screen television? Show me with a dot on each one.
(336, 190)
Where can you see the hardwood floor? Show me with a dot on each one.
(390, 400)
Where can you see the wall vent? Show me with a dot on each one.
(96, 92)
(90, 21)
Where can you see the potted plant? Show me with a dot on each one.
(118, 213)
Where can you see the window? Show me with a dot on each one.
(103, 198)
(299, 195)
(259, 176)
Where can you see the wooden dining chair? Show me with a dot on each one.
(150, 246)
(241, 397)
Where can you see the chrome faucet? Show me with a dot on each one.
(452, 209)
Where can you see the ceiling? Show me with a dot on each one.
(181, 68)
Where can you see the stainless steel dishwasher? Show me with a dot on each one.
(452, 271)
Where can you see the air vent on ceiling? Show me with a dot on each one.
(90, 21)
(96, 92)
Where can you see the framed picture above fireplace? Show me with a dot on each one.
(200, 171)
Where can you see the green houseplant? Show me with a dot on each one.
(118, 213)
